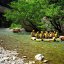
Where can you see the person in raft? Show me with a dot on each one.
(33, 35)
(46, 34)
(37, 35)
(41, 35)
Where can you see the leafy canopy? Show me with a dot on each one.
(34, 10)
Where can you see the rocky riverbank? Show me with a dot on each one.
(9, 57)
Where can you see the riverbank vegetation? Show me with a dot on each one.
(37, 14)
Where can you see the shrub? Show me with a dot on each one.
(14, 25)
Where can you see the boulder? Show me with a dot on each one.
(62, 38)
(29, 26)
(39, 57)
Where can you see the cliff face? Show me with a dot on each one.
(4, 2)
(3, 7)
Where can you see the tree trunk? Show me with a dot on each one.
(29, 26)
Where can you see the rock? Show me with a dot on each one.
(26, 63)
(45, 61)
(27, 26)
(9, 57)
(31, 62)
(39, 57)
(1, 40)
(2, 61)
(19, 61)
(0, 52)
(62, 38)
(13, 53)
(13, 62)
(15, 49)
(5, 58)
(13, 57)
(24, 57)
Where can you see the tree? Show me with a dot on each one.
(55, 12)
(32, 11)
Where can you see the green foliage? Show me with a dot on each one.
(14, 25)
(52, 10)
(45, 25)
(34, 10)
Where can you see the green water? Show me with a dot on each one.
(53, 51)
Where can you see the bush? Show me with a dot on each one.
(14, 25)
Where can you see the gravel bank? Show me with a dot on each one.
(9, 57)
